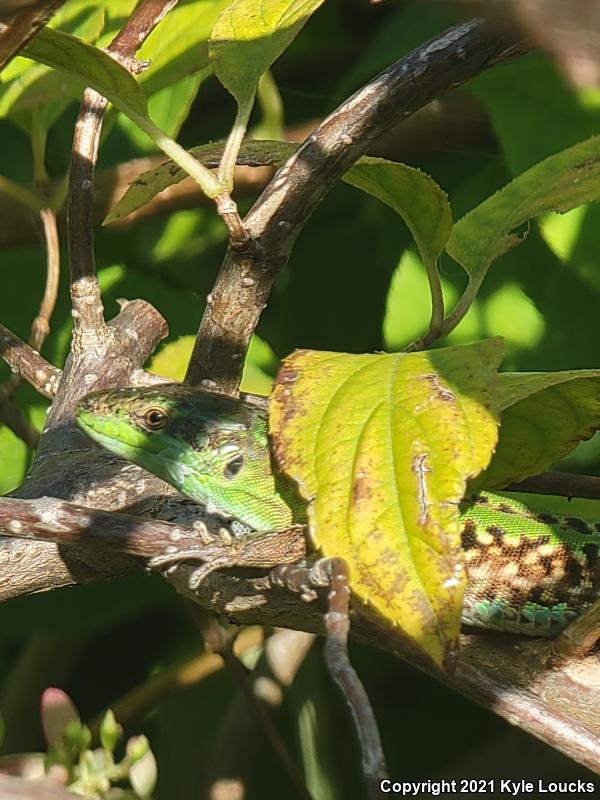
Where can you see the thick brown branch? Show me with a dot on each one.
(244, 282)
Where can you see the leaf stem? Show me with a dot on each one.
(234, 142)
(464, 303)
(210, 185)
(436, 324)
(22, 195)
(271, 105)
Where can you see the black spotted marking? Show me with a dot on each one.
(546, 519)
(469, 535)
(497, 532)
(537, 595)
(591, 551)
(505, 508)
(481, 499)
(547, 563)
(574, 571)
(579, 525)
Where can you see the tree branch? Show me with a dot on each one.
(19, 28)
(560, 483)
(88, 311)
(25, 361)
(452, 122)
(245, 280)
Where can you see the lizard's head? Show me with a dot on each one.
(212, 448)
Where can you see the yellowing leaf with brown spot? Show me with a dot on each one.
(383, 446)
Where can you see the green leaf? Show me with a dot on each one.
(90, 66)
(417, 198)
(544, 416)
(178, 54)
(147, 185)
(249, 36)
(28, 89)
(385, 444)
(423, 206)
(96, 69)
(178, 47)
(559, 183)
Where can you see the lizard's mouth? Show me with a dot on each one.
(119, 436)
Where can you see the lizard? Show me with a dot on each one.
(530, 571)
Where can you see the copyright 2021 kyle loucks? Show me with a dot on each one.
(508, 787)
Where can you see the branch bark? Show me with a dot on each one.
(245, 279)
(88, 311)
(16, 29)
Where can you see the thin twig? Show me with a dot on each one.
(41, 324)
(243, 285)
(337, 625)
(333, 574)
(257, 700)
(40, 327)
(10, 414)
(88, 311)
(563, 484)
(239, 240)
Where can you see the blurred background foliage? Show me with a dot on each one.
(354, 283)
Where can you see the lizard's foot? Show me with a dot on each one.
(211, 547)
(304, 579)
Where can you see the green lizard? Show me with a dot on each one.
(530, 571)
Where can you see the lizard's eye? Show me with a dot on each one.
(234, 467)
(154, 418)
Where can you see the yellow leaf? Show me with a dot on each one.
(383, 446)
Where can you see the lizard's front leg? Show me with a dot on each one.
(253, 550)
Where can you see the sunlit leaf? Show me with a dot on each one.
(178, 47)
(385, 444)
(35, 88)
(250, 35)
(559, 183)
(91, 66)
(417, 198)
